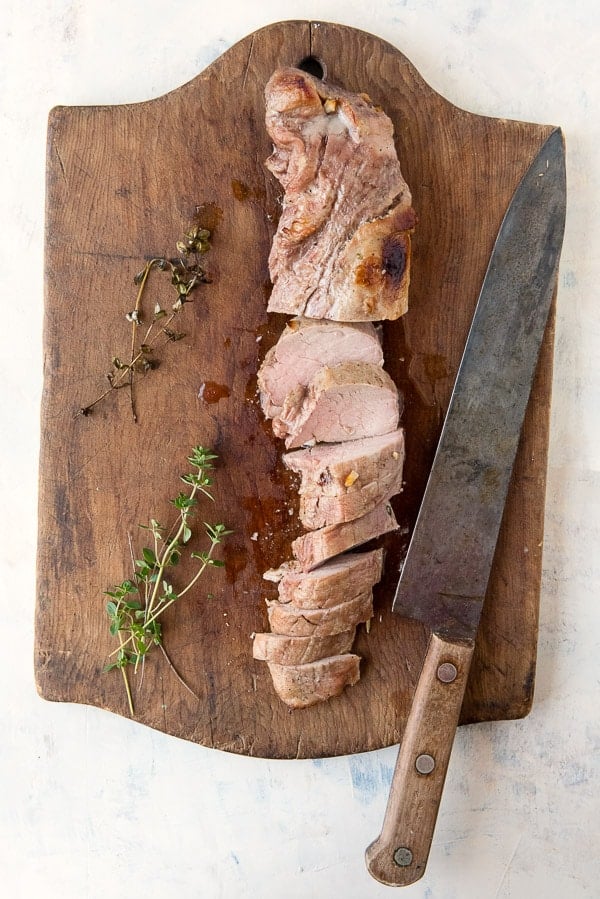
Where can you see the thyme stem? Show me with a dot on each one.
(177, 674)
(136, 621)
(165, 559)
(186, 274)
(126, 680)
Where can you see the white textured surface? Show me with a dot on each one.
(94, 805)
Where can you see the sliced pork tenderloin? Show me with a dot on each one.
(300, 686)
(341, 482)
(285, 650)
(343, 578)
(306, 345)
(293, 621)
(316, 547)
(342, 402)
(342, 246)
(372, 269)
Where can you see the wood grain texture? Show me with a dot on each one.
(399, 855)
(122, 183)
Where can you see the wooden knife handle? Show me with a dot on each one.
(399, 855)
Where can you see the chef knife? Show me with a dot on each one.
(445, 575)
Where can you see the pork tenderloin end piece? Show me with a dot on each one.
(344, 481)
(300, 686)
(372, 274)
(342, 402)
(316, 547)
(284, 650)
(306, 345)
(294, 621)
(341, 579)
(342, 246)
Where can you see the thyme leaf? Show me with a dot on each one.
(136, 605)
(186, 272)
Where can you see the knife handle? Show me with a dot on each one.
(399, 855)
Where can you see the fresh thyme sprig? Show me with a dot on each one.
(186, 273)
(136, 605)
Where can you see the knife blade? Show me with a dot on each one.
(446, 571)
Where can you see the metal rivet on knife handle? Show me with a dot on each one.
(447, 672)
(425, 763)
(412, 806)
(403, 856)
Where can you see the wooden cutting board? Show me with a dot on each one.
(122, 183)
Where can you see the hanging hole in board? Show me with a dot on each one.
(313, 66)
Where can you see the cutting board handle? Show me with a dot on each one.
(399, 855)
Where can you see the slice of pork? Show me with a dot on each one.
(292, 621)
(316, 547)
(343, 402)
(342, 247)
(343, 578)
(305, 346)
(343, 481)
(372, 269)
(285, 650)
(303, 685)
